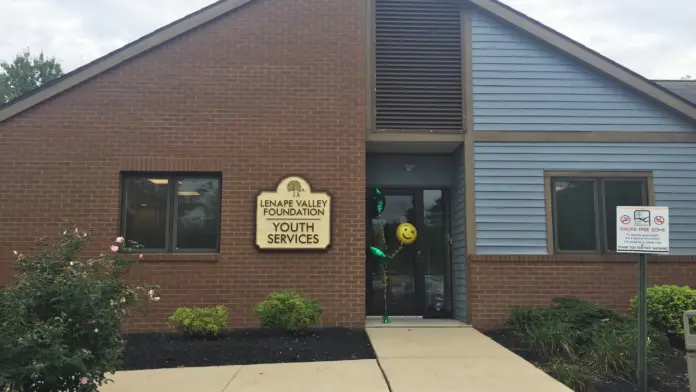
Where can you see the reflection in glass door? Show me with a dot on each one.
(433, 257)
(401, 291)
(420, 273)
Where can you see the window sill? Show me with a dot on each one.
(189, 257)
(593, 258)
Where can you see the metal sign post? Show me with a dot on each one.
(642, 365)
(642, 230)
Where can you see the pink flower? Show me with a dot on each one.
(83, 380)
(114, 248)
(119, 240)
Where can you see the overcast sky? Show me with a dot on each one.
(655, 39)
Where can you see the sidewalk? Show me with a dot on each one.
(442, 356)
(449, 359)
(343, 376)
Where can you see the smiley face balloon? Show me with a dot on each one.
(406, 233)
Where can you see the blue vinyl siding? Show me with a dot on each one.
(509, 185)
(458, 202)
(520, 84)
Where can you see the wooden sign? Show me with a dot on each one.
(293, 217)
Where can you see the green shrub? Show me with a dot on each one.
(595, 340)
(546, 335)
(611, 349)
(288, 310)
(61, 321)
(583, 314)
(573, 376)
(666, 307)
(608, 349)
(200, 321)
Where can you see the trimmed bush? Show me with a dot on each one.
(200, 321)
(666, 307)
(288, 310)
(61, 321)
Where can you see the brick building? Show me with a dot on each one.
(505, 143)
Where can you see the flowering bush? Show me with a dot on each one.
(60, 324)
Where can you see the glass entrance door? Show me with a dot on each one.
(418, 274)
(434, 253)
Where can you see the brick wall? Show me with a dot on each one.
(500, 283)
(273, 88)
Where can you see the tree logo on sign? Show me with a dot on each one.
(295, 187)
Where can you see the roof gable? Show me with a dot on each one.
(522, 84)
(668, 98)
(119, 56)
(588, 56)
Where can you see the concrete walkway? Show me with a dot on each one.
(343, 376)
(414, 356)
(417, 357)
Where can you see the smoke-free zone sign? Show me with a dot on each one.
(642, 229)
(293, 217)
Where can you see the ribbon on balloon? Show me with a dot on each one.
(405, 233)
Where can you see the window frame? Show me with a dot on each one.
(172, 209)
(597, 217)
(644, 195)
(599, 178)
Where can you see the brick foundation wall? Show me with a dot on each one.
(500, 283)
(274, 88)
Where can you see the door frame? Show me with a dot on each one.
(419, 272)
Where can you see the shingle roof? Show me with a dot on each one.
(683, 88)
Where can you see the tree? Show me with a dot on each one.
(26, 73)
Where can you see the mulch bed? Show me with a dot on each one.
(675, 379)
(245, 347)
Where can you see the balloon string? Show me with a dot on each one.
(385, 271)
(396, 252)
(385, 276)
(385, 281)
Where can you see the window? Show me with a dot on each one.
(584, 210)
(171, 213)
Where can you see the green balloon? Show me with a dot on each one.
(378, 253)
(380, 206)
(378, 202)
